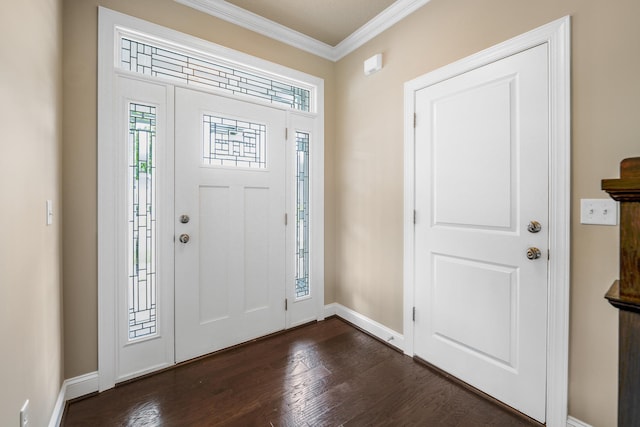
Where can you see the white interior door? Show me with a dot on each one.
(230, 182)
(481, 177)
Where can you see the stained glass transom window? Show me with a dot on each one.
(230, 142)
(142, 221)
(156, 61)
(302, 215)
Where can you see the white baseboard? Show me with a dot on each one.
(71, 389)
(573, 422)
(82, 385)
(371, 326)
(58, 409)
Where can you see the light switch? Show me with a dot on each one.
(49, 212)
(598, 211)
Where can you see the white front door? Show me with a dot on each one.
(481, 178)
(230, 205)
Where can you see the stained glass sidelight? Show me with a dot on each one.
(142, 221)
(157, 61)
(229, 142)
(302, 215)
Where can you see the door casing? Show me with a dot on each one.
(557, 37)
(113, 25)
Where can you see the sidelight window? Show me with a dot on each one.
(302, 215)
(142, 221)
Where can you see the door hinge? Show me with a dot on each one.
(414, 216)
(415, 119)
(548, 254)
(286, 219)
(413, 315)
(286, 134)
(286, 304)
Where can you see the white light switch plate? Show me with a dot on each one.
(49, 212)
(598, 211)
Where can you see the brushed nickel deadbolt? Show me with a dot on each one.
(534, 227)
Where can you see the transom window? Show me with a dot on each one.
(158, 61)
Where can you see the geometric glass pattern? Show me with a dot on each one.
(302, 215)
(157, 61)
(142, 221)
(230, 142)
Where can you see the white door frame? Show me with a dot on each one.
(557, 37)
(111, 25)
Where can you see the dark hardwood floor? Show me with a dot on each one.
(324, 374)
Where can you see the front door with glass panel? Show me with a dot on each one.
(194, 250)
(230, 206)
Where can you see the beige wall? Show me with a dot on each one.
(606, 128)
(79, 154)
(30, 252)
(364, 144)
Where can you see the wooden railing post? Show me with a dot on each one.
(624, 294)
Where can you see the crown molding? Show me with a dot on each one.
(385, 19)
(243, 18)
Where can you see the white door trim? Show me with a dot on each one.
(557, 36)
(110, 25)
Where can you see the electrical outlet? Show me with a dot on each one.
(24, 414)
(598, 211)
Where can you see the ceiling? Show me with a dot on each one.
(328, 21)
(327, 28)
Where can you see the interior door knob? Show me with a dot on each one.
(184, 219)
(184, 238)
(533, 253)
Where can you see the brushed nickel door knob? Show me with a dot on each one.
(533, 253)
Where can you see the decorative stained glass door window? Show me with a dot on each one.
(142, 221)
(229, 142)
(302, 215)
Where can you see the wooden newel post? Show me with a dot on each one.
(625, 293)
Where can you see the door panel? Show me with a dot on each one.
(480, 291)
(485, 110)
(481, 153)
(214, 240)
(230, 181)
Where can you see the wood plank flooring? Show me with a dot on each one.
(324, 374)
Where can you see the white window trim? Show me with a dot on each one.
(216, 55)
(112, 25)
(557, 35)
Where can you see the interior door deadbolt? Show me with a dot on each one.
(534, 227)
